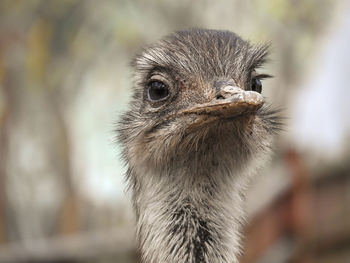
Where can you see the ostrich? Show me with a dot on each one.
(196, 130)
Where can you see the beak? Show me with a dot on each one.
(230, 102)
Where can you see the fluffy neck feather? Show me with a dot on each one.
(189, 217)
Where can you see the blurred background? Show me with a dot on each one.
(65, 78)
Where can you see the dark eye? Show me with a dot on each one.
(157, 90)
(256, 85)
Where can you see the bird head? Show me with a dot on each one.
(197, 101)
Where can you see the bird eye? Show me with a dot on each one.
(157, 90)
(256, 85)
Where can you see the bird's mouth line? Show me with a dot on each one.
(222, 110)
(237, 105)
(242, 104)
(209, 119)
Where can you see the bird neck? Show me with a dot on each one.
(186, 217)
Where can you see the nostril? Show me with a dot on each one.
(220, 97)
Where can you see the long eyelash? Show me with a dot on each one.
(263, 76)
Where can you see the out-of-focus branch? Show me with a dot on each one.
(113, 243)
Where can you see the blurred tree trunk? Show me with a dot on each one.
(3, 238)
(70, 216)
(3, 148)
(6, 96)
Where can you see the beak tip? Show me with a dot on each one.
(253, 98)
